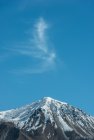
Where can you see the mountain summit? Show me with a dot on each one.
(46, 119)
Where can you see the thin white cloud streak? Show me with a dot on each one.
(40, 35)
(38, 48)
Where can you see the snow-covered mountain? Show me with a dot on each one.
(46, 119)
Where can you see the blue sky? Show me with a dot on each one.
(47, 49)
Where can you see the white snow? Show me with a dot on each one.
(64, 125)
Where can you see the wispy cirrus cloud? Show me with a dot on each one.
(38, 48)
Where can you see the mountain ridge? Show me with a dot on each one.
(50, 119)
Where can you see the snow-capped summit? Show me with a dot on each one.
(51, 118)
(50, 100)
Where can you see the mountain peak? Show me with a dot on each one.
(50, 100)
(48, 115)
(47, 100)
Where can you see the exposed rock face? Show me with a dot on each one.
(47, 119)
(8, 131)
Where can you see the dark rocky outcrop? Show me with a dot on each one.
(8, 131)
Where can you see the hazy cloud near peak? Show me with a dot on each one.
(38, 48)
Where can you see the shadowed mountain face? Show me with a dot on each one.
(46, 119)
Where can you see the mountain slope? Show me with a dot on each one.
(48, 119)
